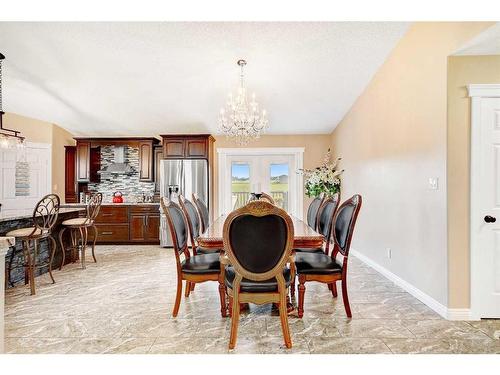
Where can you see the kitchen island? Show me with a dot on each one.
(14, 270)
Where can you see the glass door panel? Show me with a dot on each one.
(279, 175)
(240, 184)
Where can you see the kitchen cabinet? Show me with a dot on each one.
(146, 161)
(144, 223)
(187, 146)
(157, 156)
(70, 187)
(83, 161)
(173, 147)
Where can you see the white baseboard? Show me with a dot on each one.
(414, 291)
(459, 314)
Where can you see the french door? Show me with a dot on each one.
(248, 171)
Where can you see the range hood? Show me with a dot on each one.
(118, 166)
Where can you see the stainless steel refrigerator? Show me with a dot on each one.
(181, 176)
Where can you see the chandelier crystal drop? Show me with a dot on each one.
(242, 119)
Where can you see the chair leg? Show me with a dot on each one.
(178, 296)
(31, 272)
(292, 280)
(52, 253)
(222, 296)
(188, 289)
(93, 243)
(333, 288)
(83, 238)
(235, 319)
(284, 320)
(230, 306)
(302, 291)
(63, 250)
(74, 244)
(346, 298)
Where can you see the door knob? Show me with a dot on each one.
(490, 219)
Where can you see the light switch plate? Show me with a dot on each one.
(433, 183)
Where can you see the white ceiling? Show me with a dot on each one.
(153, 78)
(486, 43)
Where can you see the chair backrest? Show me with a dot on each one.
(176, 223)
(258, 240)
(202, 211)
(93, 206)
(345, 220)
(313, 210)
(46, 212)
(326, 214)
(266, 197)
(192, 217)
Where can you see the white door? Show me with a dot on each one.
(24, 179)
(249, 171)
(485, 208)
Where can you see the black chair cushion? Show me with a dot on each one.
(250, 286)
(316, 264)
(312, 212)
(204, 250)
(202, 264)
(318, 250)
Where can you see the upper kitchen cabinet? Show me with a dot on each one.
(146, 160)
(88, 162)
(187, 146)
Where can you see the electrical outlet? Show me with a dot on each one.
(389, 253)
(433, 183)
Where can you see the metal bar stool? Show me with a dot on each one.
(79, 226)
(44, 218)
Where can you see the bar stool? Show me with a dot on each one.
(44, 218)
(80, 226)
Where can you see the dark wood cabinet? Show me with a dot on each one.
(187, 146)
(144, 223)
(70, 186)
(196, 148)
(83, 161)
(157, 156)
(173, 148)
(146, 161)
(137, 227)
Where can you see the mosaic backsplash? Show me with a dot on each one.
(128, 184)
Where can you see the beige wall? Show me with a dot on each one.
(392, 141)
(462, 71)
(44, 132)
(315, 146)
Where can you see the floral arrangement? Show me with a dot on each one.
(323, 179)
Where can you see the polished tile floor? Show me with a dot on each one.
(123, 304)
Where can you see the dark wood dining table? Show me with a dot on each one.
(303, 237)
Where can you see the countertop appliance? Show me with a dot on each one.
(181, 176)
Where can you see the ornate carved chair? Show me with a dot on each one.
(313, 211)
(258, 240)
(327, 269)
(202, 212)
(194, 268)
(266, 197)
(79, 227)
(44, 218)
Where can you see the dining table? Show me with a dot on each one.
(303, 237)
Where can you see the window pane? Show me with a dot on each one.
(240, 184)
(279, 184)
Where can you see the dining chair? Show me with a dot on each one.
(193, 268)
(268, 198)
(202, 212)
(313, 210)
(258, 240)
(45, 217)
(80, 226)
(325, 268)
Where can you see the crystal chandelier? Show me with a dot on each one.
(242, 120)
(8, 138)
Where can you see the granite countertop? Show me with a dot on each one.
(28, 214)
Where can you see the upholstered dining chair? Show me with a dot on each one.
(45, 217)
(267, 197)
(80, 226)
(313, 210)
(258, 240)
(325, 268)
(202, 212)
(193, 268)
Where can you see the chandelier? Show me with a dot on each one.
(8, 138)
(242, 120)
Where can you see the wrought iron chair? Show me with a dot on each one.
(327, 269)
(202, 212)
(256, 270)
(80, 226)
(194, 268)
(44, 218)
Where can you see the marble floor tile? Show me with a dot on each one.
(124, 304)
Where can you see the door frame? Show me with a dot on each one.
(223, 174)
(477, 92)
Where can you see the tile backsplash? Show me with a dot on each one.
(128, 184)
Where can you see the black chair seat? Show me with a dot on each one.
(316, 264)
(318, 250)
(202, 264)
(204, 250)
(270, 285)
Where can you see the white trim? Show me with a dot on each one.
(459, 314)
(296, 152)
(476, 92)
(484, 90)
(414, 291)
